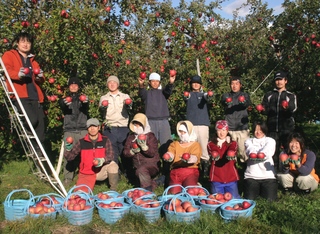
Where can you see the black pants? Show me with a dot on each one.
(264, 188)
(36, 116)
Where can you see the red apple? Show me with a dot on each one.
(219, 196)
(261, 155)
(5, 40)
(95, 56)
(283, 157)
(108, 9)
(228, 99)
(36, 25)
(128, 62)
(173, 72)
(26, 70)
(126, 23)
(227, 196)
(241, 98)
(294, 157)
(246, 205)
(186, 93)
(69, 140)
(143, 75)
(51, 80)
(210, 93)
(259, 107)
(185, 156)
(228, 208)
(253, 155)
(128, 101)
(214, 154)
(36, 71)
(284, 104)
(135, 145)
(231, 153)
(142, 137)
(68, 99)
(76, 207)
(83, 97)
(105, 103)
(191, 209)
(166, 156)
(95, 162)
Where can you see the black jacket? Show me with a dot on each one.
(75, 115)
(278, 118)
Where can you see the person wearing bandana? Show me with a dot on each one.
(142, 146)
(223, 172)
(184, 171)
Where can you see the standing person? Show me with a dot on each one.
(297, 167)
(198, 115)
(96, 158)
(259, 177)
(142, 147)
(279, 106)
(223, 172)
(184, 170)
(235, 105)
(115, 107)
(26, 75)
(75, 118)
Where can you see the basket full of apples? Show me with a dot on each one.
(57, 199)
(181, 208)
(237, 208)
(14, 209)
(41, 206)
(131, 195)
(111, 211)
(149, 206)
(78, 208)
(213, 201)
(197, 192)
(109, 196)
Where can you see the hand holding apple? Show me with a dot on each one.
(104, 104)
(185, 157)
(128, 101)
(134, 148)
(83, 98)
(142, 142)
(228, 101)
(215, 156)
(231, 155)
(259, 107)
(284, 158)
(167, 157)
(241, 99)
(261, 156)
(67, 101)
(173, 73)
(295, 159)
(186, 95)
(284, 104)
(68, 143)
(98, 162)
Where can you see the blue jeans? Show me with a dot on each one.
(232, 187)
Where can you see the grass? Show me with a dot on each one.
(290, 214)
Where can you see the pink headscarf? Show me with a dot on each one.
(222, 124)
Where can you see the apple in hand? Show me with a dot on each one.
(294, 157)
(69, 140)
(95, 162)
(214, 154)
(261, 155)
(231, 153)
(241, 98)
(142, 137)
(68, 99)
(172, 72)
(284, 104)
(105, 103)
(26, 70)
(128, 101)
(143, 75)
(185, 156)
(186, 93)
(228, 100)
(36, 71)
(135, 145)
(283, 157)
(259, 107)
(83, 97)
(253, 155)
(166, 156)
(210, 93)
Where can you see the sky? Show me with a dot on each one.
(230, 5)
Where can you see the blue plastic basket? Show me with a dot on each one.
(113, 196)
(174, 216)
(165, 196)
(58, 198)
(197, 187)
(152, 214)
(111, 216)
(208, 207)
(79, 217)
(229, 215)
(14, 209)
(37, 199)
(129, 200)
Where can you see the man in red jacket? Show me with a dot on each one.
(27, 77)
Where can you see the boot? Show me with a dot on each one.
(113, 181)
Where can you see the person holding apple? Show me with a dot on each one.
(27, 78)
(298, 166)
(223, 174)
(279, 105)
(114, 108)
(198, 115)
(76, 112)
(259, 176)
(96, 158)
(236, 103)
(184, 156)
(142, 147)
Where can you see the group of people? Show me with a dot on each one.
(143, 146)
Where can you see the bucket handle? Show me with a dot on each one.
(7, 201)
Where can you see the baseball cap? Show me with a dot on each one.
(280, 75)
(154, 76)
(196, 79)
(73, 80)
(93, 122)
(113, 78)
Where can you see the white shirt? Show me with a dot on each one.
(256, 169)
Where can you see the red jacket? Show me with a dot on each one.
(223, 170)
(13, 63)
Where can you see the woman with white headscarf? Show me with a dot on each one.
(184, 156)
(142, 146)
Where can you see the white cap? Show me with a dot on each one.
(154, 76)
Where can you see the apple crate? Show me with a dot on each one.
(14, 209)
(111, 215)
(79, 217)
(41, 206)
(109, 196)
(149, 206)
(166, 196)
(132, 194)
(174, 213)
(197, 192)
(228, 213)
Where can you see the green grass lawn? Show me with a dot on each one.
(290, 214)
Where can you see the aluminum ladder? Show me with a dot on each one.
(43, 168)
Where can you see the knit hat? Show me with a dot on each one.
(141, 118)
(113, 78)
(154, 76)
(93, 122)
(280, 75)
(73, 80)
(196, 79)
(222, 124)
